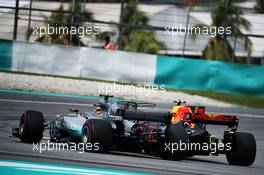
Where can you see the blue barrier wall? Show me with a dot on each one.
(173, 72)
(5, 55)
(191, 74)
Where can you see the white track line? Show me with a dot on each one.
(45, 102)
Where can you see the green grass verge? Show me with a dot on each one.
(244, 100)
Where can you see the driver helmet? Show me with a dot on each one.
(98, 110)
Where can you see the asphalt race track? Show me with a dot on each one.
(13, 104)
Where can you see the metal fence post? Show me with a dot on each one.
(16, 20)
(186, 28)
(72, 18)
(120, 28)
(235, 42)
(29, 20)
(82, 22)
(225, 25)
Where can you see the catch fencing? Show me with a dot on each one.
(17, 17)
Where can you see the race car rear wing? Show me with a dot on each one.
(213, 119)
(135, 105)
(163, 117)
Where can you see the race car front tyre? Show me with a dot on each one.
(31, 127)
(97, 135)
(243, 150)
(176, 136)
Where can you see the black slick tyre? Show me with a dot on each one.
(97, 132)
(31, 127)
(176, 135)
(243, 150)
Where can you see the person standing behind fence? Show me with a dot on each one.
(108, 44)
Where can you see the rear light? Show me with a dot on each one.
(187, 116)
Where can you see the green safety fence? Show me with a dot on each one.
(5, 54)
(192, 74)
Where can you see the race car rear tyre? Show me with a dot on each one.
(98, 134)
(243, 150)
(176, 142)
(31, 127)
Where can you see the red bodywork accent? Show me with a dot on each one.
(193, 115)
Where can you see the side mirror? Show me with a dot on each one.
(179, 102)
(106, 96)
(74, 110)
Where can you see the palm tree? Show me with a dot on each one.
(137, 40)
(65, 20)
(219, 48)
